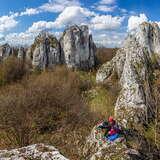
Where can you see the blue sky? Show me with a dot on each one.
(108, 20)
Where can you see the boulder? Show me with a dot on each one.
(98, 149)
(45, 52)
(35, 151)
(78, 47)
(134, 64)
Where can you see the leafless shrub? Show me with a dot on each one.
(43, 104)
(12, 69)
(105, 54)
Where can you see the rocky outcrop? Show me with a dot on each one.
(5, 51)
(78, 47)
(29, 53)
(21, 53)
(148, 36)
(45, 52)
(134, 64)
(36, 151)
(97, 149)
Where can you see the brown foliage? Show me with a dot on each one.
(46, 104)
(105, 54)
(41, 104)
(12, 69)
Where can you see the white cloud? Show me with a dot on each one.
(71, 12)
(41, 25)
(107, 1)
(7, 23)
(58, 34)
(2, 39)
(158, 23)
(105, 5)
(13, 14)
(54, 6)
(20, 38)
(105, 8)
(58, 5)
(135, 21)
(123, 10)
(109, 39)
(30, 11)
(106, 22)
(73, 15)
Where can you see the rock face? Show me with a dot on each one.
(96, 149)
(148, 35)
(45, 52)
(21, 53)
(36, 151)
(134, 64)
(78, 47)
(5, 51)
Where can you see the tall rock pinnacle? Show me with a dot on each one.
(134, 64)
(78, 47)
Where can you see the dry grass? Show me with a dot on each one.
(53, 107)
(45, 108)
(60, 108)
(11, 70)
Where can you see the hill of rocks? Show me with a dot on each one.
(134, 64)
(75, 49)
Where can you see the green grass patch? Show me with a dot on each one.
(101, 100)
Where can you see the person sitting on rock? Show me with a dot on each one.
(113, 133)
(105, 126)
(113, 124)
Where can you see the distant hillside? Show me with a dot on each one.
(105, 54)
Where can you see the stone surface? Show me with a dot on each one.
(5, 51)
(148, 35)
(45, 52)
(134, 64)
(21, 53)
(75, 48)
(32, 152)
(97, 149)
(78, 47)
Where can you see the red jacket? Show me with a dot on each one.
(112, 132)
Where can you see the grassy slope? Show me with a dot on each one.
(98, 98)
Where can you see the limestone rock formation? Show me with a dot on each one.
(148, 35)
(21, 53)
(97, 149)
(134, 64)
(78, 47)
(36, 151)
(29, 53)
(5, 51)
(45, 52)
